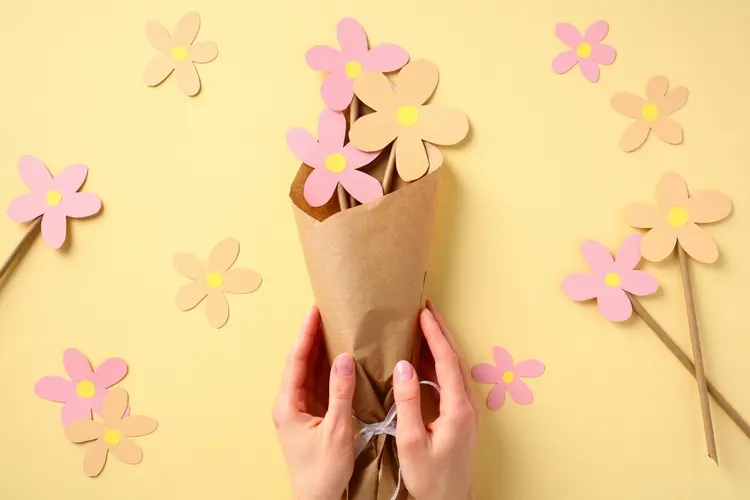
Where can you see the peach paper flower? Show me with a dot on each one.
(112, 435)
(178, 54)
(651, 113)
(506, 376)
(212, 280)
(587, 51)
(675, 220)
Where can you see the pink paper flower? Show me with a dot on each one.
(611, 278)
(55, 199)
(507, 378)
(347, 64)
(85, 390)
(333, 162)
(586, 50)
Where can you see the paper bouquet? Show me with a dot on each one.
(367, 263)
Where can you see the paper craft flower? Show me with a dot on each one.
(333, 162)
(675, 219)
(347, 64)
(507, 378)
(611, 278)
(53, 198)
(178, 54)
(587, 51)
(212, 280)
(86, 389)
(651, 113)
(401, 114)
(112, 435)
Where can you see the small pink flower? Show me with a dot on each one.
(347, 64)
(333, 162)
(55, 199)
(611, 278)
(507, 378)
(586, 51)
(85, 390)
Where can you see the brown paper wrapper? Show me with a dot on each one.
(367, 267)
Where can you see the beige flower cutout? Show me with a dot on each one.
(213, 279)
(111, 435)
(651, 113)
(676, 218)
(401, 114)
(178, 54)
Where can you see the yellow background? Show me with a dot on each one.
(616, 416)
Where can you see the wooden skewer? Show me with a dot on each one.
(353, 115)
(390, 168)
(30, 232)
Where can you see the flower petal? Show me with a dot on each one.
(486, 374)
(110, 372)
(503, 359)
(217, 309)
(596, 32)
(629, 254)
(411, 157)
(667, 130)
(79, 205)
(614, 304)
(658, 243)
(634, 136)
(603, 54)
(320, 186)
(671, 190)
(352, 38)
(416, 82)
(189, 266)
(191, 295)
(529, 368)
(56, 389)
(187, 78)
(241, 280)
(77, 365)
(642, 216)
(95, 458)
(324, 58)
(441, 125)
(568, 34)
(27, 207)
(187, 29)
(158, 35)
(54, 228)
(137, 426)
(83, 430)
(564, 61)
(496, 397)
(305, 147)
(34, 173)
(698, 243)
(223, 255)
(158, 70)
(331, 129)
(597, 256)
(115, 404)
(356, 158)
(203, 52)
(628, 104)
(434, 157)
(384, 58)
(374, 132)
(639, 282)
(674, 100)
(337, 91)
(363, 187)
(708, 206)
(589, 69)
(127, 452)
(520, 392)
(75, 409)
(375, 90)
(656, 88)
(581, 287)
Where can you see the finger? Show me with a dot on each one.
(341, 394)
(411, 436)
(299, 358)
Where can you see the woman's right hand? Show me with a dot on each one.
(437, 460)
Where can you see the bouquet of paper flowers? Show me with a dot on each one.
(364, 203)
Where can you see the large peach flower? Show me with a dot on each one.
(402, 115)
(651, 113)
(676, 218)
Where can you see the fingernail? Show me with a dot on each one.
(344, 365)
(404, 371)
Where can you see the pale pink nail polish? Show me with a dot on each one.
(345, 365)
(404, 371)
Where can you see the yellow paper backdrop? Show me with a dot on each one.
(616, 416)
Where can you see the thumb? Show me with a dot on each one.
(410, 430)
(341, 393)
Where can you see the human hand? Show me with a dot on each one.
(314, 421)
(437, 460)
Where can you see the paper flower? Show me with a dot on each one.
(213, 280)
(675, 219)
(178, 53)
(611, 278)
(507, 378)
(333, 162)
(112, 435)
(401, 114)
(54, 199)
(347, 64)
(586, 50)
(86, 389)
(651, 113)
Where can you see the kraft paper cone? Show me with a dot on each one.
(367, 267)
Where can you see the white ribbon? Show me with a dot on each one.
(387, 427)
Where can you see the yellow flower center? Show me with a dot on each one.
(53, 198)
(179, 53)
(650, 112)
(678, 217)
(508, 377)
(353, 69)
(408, 116)
(85, 389)
(112, 437)
(336, 163)
(584, 50)
(214, 280)
(612, 279)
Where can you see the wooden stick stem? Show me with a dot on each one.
(353, 116)
(390, 169)
(30, 232)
